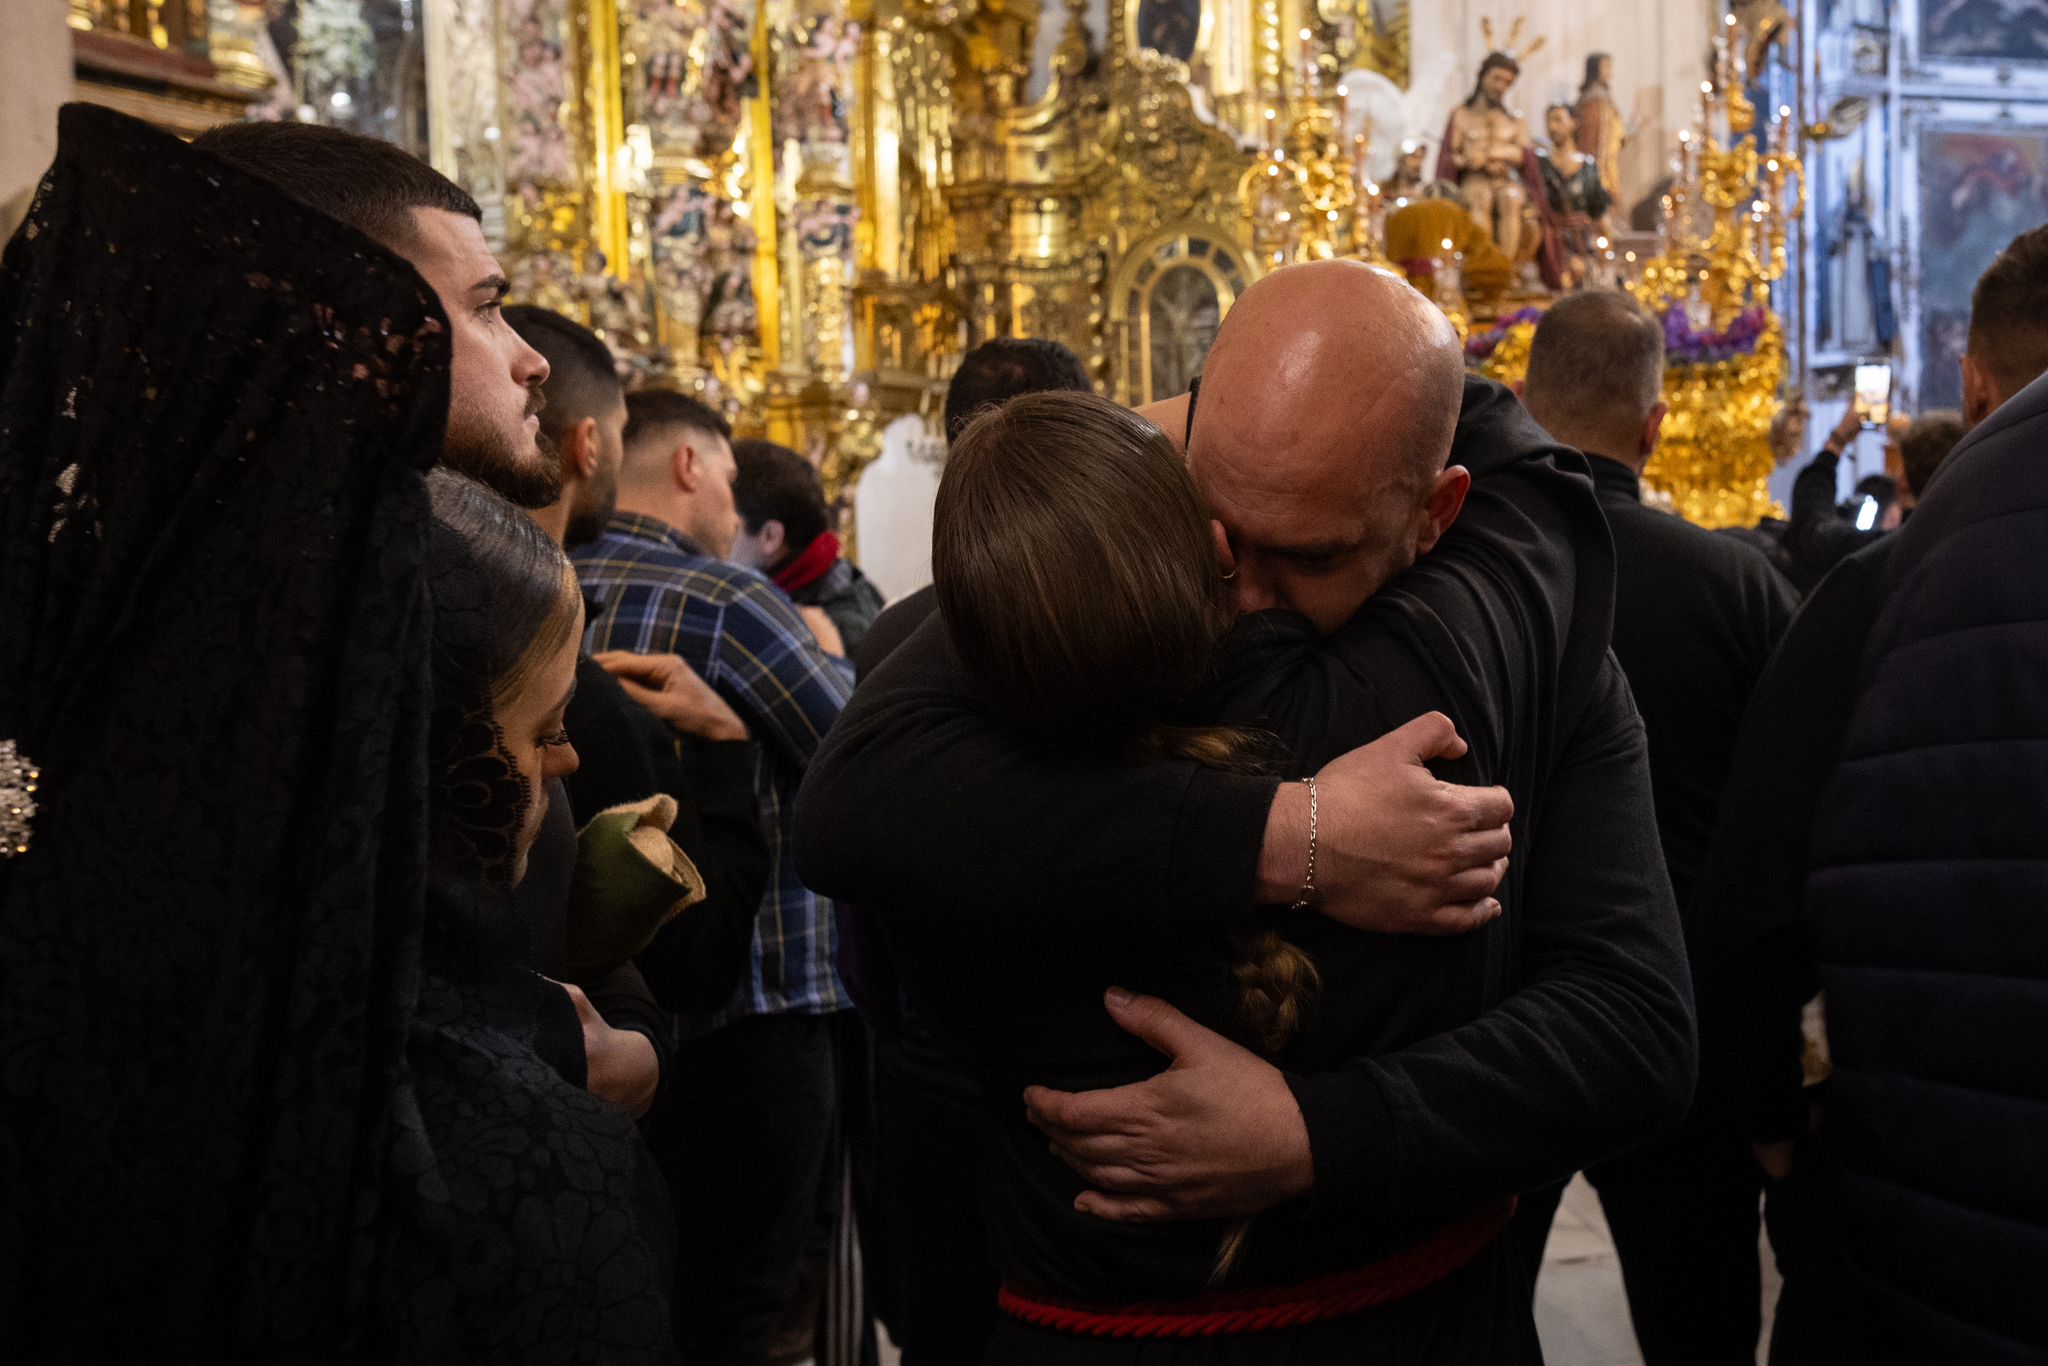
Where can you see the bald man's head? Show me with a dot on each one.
(1326, 415)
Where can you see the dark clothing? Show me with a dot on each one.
(1683, 1215)
(929, 1260)
(628, 754)
(1929, 873)
(1443, 1073)
(849, 598)
(1818, 537)
(620, 996)
(245, 1115)
(896, 624)
(1755, 952)
(1695, 618)
(1756, 969)
(743, 1136)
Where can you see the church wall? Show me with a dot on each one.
(1933, 152)
(35, 77)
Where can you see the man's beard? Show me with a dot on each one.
(591, 510)
(529, 479)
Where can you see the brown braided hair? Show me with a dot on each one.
(1074, 567)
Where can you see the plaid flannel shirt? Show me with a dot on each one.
(660, 594)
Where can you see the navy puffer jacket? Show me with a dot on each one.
(1930, 897)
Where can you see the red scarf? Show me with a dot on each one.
(806, 569)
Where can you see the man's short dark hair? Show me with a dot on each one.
(583, 379)
(2009, 313)
(997, 371)
(1597, 359)
(778, 485)
(370, 185)
(655, 410)
(1926, 444)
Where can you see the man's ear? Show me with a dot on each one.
(687, 468)
(1446, 501)
(1653, 430)
(1980, 395)
(774, 539)
(579, 449)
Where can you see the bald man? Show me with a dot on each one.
(1401, 540)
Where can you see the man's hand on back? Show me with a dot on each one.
(667, 686)
(1217, 1135)
(1398, 851)
(821, 626)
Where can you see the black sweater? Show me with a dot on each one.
(1015, 884)
(1695, 619)
(1756, 968)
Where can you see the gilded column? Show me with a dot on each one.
(465, 138)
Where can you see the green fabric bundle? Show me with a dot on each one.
(631, 879)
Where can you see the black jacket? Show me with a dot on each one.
(1929, 896)
(896, 625)
(1755, 962)
(848, 597)
(1695, 617)
(628, 754)
(1458, 1070)
(1818, 537)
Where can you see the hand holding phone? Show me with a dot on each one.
(1873, 394)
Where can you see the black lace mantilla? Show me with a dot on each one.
(239, 1119)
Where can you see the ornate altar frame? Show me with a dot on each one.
(1206, 247)
(1919, 121)
(1980, 76)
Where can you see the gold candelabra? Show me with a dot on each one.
(1712, 284)
(1302, 195)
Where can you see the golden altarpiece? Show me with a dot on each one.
(807, 209)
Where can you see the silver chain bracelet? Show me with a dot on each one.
(1308, 884)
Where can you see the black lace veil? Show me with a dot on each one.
(240, 1119)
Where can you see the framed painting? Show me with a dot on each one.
(1999, 44)
(1172, 28)
(1975, 184)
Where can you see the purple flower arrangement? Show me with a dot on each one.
(1478, 348)
(1685, 346)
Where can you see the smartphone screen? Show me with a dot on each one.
(1874, 393)
(1866, 513)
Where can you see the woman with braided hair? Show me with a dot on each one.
(1085, 603)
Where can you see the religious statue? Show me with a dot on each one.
(1488, 154)
(1486, 151)
(616, 311)
(1578, 200)
(1410, 177)
(1602, 134)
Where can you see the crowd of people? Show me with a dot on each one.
(493, 883)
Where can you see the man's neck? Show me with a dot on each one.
(1634, 465)
(554, 518)
(668, 511)
(1600, 448)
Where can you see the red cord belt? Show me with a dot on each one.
(1261, 1308)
